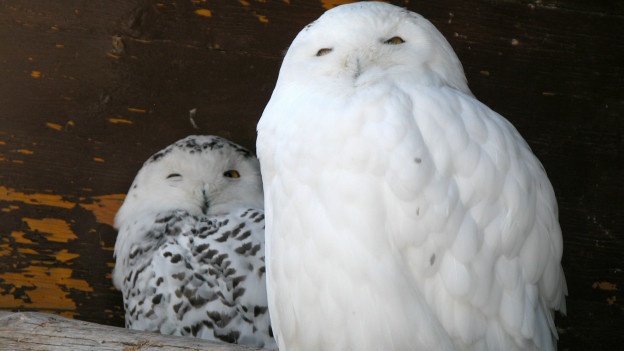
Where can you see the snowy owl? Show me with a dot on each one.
(401, 212)
(190, 248)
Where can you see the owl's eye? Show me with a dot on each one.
(174, 175)
(324, 51)
(231, 174)
(394, 41)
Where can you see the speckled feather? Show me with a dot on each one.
(194, 265)
(401, 212)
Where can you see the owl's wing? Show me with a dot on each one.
(477, 223)
(150, 269)
(201, 277)
(234, 260)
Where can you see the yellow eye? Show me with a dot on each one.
(324, 51)
(394, 41)
(231, 174)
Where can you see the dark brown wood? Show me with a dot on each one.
(31, 331)
(89, 89)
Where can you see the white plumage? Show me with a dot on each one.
(190, 248)
(401, 212)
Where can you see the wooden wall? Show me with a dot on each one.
(90, 89)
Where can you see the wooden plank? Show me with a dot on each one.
(33, 331)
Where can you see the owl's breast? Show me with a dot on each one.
(338, 173)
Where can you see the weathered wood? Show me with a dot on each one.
(32, 331)
(89, 89)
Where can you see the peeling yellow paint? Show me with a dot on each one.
(65, 255)
(50, 285)
(329, 4)
(262, 18)
(605, 286)
(97, 159)
(245, 3)
(204, 12)
(54, 27)
(58, 229)
(105, 207)
(132, 109)
(112, 55)
(35, 74)
(54, 126)
(25, 250)
(24, 151)
(119, 120)
(5, 249)
(7, 194)
(19, 238)
(10, 208)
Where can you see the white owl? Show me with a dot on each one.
(190, 248)
(401, 212)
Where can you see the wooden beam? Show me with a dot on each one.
(42, 331)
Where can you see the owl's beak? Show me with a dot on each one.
(205, 203)
(358, 68)
(359, 62)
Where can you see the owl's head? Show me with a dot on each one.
(362, 42)
(200, 174)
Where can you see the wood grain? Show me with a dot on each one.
(90, 89)
(33, 331)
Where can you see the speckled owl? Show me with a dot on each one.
(190, 249)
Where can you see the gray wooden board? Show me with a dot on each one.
(42, 331)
